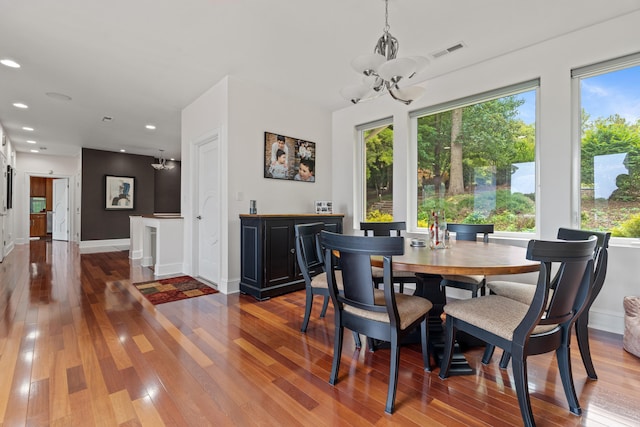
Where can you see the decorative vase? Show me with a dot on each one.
(438, 233)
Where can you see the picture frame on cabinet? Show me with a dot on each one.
(119, 192)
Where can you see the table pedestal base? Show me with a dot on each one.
(428, 286)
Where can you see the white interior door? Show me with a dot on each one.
(207, 228)
(60, 215)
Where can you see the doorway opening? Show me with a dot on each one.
(49, 208)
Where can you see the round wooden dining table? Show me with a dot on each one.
(463, 257)
(460, 258)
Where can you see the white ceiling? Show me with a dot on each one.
(142, 61)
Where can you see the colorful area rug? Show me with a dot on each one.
(173, 289)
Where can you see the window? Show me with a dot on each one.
(377, 152)
(476, 159)
(610, 146)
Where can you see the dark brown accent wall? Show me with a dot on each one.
(167, 189)
(101, 224)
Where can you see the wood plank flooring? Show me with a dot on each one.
(79, 346)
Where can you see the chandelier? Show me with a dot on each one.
(162, 163)
(383, 71)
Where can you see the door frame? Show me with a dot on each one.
(68, 217)
(71, 202)
(212, 136)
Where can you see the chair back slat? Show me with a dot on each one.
(469, 232)
(355, 254)
(356, 272)
(572, 281)
(383, 229)
(600, 255)
(308, 252)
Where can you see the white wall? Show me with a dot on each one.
(28, 165)
(242, 112)
(552, 62)
(7, 218)
(203, 116)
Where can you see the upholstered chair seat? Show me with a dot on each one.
(495, 314)
(320, 281)
(410, 308)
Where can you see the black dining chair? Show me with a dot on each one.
(524, 330)
(525, 292)
(382, 229)
(382, 314)
(311, 263)
(471, 283)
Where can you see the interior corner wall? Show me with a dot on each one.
(242, 112)
(97, 223)
(252, 111)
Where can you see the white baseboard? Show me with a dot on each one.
(135, 254)
(229, 286)
(111, 245)
(8, 248)
(608, 321)
(167, 269)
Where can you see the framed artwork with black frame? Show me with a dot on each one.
(119, 192)
(9, 187)
(289, 158)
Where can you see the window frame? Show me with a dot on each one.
(412, 188)
(360, 193)
(577, 74)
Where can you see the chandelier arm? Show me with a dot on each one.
(386, 69)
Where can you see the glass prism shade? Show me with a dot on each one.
(368, 64)
(397, 69)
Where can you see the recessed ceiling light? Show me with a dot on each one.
(151, 127)
(9, 63)
(20, 105)
(172, 159)
(58, 96)
(122, 150)
(31, 141)
(34, 151)
(27, 128)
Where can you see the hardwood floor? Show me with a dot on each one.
(79, 346)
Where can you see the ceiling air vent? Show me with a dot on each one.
(448, 50)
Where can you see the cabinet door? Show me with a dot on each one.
(38, 186)
(38, 226)
(279, 252)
